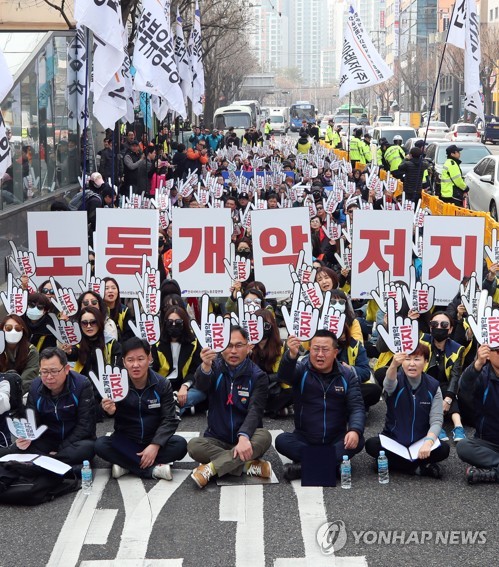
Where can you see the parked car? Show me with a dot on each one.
(436, 129)
(490, 133)
(462, 132)
(383, 120)
(471, 154)
(483, 183)
(343, 119)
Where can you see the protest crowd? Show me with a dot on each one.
(322, 354)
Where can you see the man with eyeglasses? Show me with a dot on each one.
(63, 400)
(329, 409)
(237, 391)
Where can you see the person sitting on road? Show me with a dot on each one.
(237, 392)
(143, 441)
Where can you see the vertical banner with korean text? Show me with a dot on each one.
(60, 246)
(275, 247)
(382, 240)
(201, 239)
(452, 249)
(122, 238)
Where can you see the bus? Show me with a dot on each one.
(301, 110)
(256, 111)
(240, 117)
(355, 110)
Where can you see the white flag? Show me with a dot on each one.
(464, 32)
(361, 65)
(159, 106)
(76, 77)
(104, 19)
(195, 50)
(153, 57)
(5, 154)
(182, 59)
(6, 79)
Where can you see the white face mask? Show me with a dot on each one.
(339, 307)
(13, 337)
(34, 313)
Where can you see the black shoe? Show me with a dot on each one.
(432, 470)
(292, 471)
(474, 475)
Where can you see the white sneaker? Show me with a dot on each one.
(162, 471)
(117, 471)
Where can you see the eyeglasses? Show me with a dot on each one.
(88, 302)
(9, 328)
(175, 322)
(441, 324)
(91, 323)
(47, 291)
(237, 346)
(338, 301)
(32, 304)
(51, 371)
(318, 349)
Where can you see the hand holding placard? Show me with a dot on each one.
(66, 332)
(214, 331)
(25, 428)
(485, 325)
(420, 297)
(249, 321)
(64, 299)
(146, 327)
(401, 334)
(302, 320)
(238, 267)
(331, 319)
(385, 290)
(470, 296)
(150, 300)
(149, 276)
(493, 250)
(111, 383)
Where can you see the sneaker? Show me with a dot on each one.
(117, 471)
(259, 468)
(292, 471)
(162, 471)
(443, 435)
(474, 475)
(458, 434)
(431, 470)
(192, 410)
(201, 475)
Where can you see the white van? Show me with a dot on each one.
(279, 119)
(240, 117)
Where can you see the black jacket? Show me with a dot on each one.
(411, 172)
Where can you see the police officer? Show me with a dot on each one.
(268, 129)
(453, 188)
(365, 149)
(355, 146)
(329, 138)
(393, 155)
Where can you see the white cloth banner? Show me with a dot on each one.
(200, 244)
(464, 33)
(5, 153)
(153, 57)
(77, 77)
(122, 238)
(6, 79)
(382, 241)
(60, 252)
(276, 247)
(361, 65)
(453, 248)
(195, 50)
(182, 59)
(104, 19)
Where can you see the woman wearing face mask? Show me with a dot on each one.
(341, 302)
(445, 365)
(118, 312)
(267, 355)
(176, 356)
(37, 318)
(19, 355)
(93, 299)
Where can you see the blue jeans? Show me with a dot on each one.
(194, 397)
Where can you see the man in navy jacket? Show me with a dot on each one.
(481, 381)
(237, 392)
(328, 404)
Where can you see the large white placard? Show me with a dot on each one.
(278, 237)
(122, 238)
(452, 249)
(59, 242)
(381, 241)
(201, 239)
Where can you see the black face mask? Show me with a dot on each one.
(439, 334)
(245, 253)
(174, 331)
(267, 333)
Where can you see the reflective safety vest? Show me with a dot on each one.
(329, 138)
(379, 157)
(394, 155)
(303, 148)
(451, 177)
(336, 139)
(268, 128)
(355, 151)
(365, 150)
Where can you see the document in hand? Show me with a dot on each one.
(410, 453)
(48, 463)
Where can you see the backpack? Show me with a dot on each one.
(16, 393)
(76, 203)
(28, 485)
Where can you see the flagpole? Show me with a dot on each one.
(85, 117)
(112, 161)
(349, 113)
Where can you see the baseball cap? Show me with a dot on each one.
(453, 148)
(243, 195)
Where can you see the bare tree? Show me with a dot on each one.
(489, 68)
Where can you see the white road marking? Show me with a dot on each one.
(100, 527)
(133, 563)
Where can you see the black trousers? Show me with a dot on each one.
(72, 454)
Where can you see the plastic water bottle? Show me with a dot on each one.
(346, 472)
(383, 475)
(86, 478)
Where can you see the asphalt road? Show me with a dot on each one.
(154, 523)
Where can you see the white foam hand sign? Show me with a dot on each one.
(164, 220)
(348, 230)
(25, 261)
(331, 319)
(286, 202)
(202, 196)
(332, 229)
(419, 215)
(185, 189)
(303, 319)
(25, 428)
(149, 276)
(311, 294)
(260, 204)
(401, 334)
(111, 383)
(334, 198)
(386, 290)
(214, 331)
(64, 299)
(91, 283)
(406, 204)
(344, 258)
(66, 332)
(417, 244)
(146, 327)
(15, 300)
(470, 296)
(492, 251)
(302, 272)
(29, 285)
(248, 320)
(485, 324)
(419, 296)
(2, 341)
(150, 300)
(238, 267)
